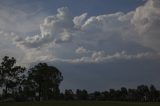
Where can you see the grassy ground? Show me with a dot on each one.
(79, 103)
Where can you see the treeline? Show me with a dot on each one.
(41, 82)
(142, 93)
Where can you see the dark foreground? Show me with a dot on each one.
(79, 103)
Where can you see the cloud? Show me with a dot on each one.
(8, 48)
(98, 57)
(105, 44)
(14, 19)
(80, 20)
(123, 43)
(87, 38)
(101, 56)
(23, 55)
(147, 24)
(54, 29)
(65, 37)
(81, 50)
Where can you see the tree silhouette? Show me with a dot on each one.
(143, 92)
(47, 78)
(69, 95)
(82, 94)
(154, 94)
(29, 89)
(124, 93)
(10, 75)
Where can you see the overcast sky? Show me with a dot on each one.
(96, 44)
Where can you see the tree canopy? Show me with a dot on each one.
(10, 74)
(47, 78)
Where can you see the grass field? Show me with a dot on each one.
(79, 103)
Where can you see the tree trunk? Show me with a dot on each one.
(39, 92)
(6, 91)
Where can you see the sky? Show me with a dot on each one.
(96, 45)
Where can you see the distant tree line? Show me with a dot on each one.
(142, 93)
(41, 82)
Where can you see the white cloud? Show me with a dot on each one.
(64, 36)
(23, 55)
(147, 23)
(54, 29)
(81, 50)
(80, 20)
(101, 56)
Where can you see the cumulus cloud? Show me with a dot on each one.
(147, 23)
(119, 42)
(64, 36)
(80, 20)
(54, 29)
(81, 50)
(63, 28)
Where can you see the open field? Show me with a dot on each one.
(79, 103)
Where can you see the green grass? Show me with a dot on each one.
(79, 103)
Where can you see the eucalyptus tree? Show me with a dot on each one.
(10, 74)
(46, 78)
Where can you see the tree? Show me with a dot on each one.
(112, 94)
(124, 93)
(96, 95)
(82, 94)
(143, 92)
(47, 78)
(106, 95)
(132, 95)
(78, 94)
(69, 95)
(154, 94)
(28, 89)
(10, 75)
